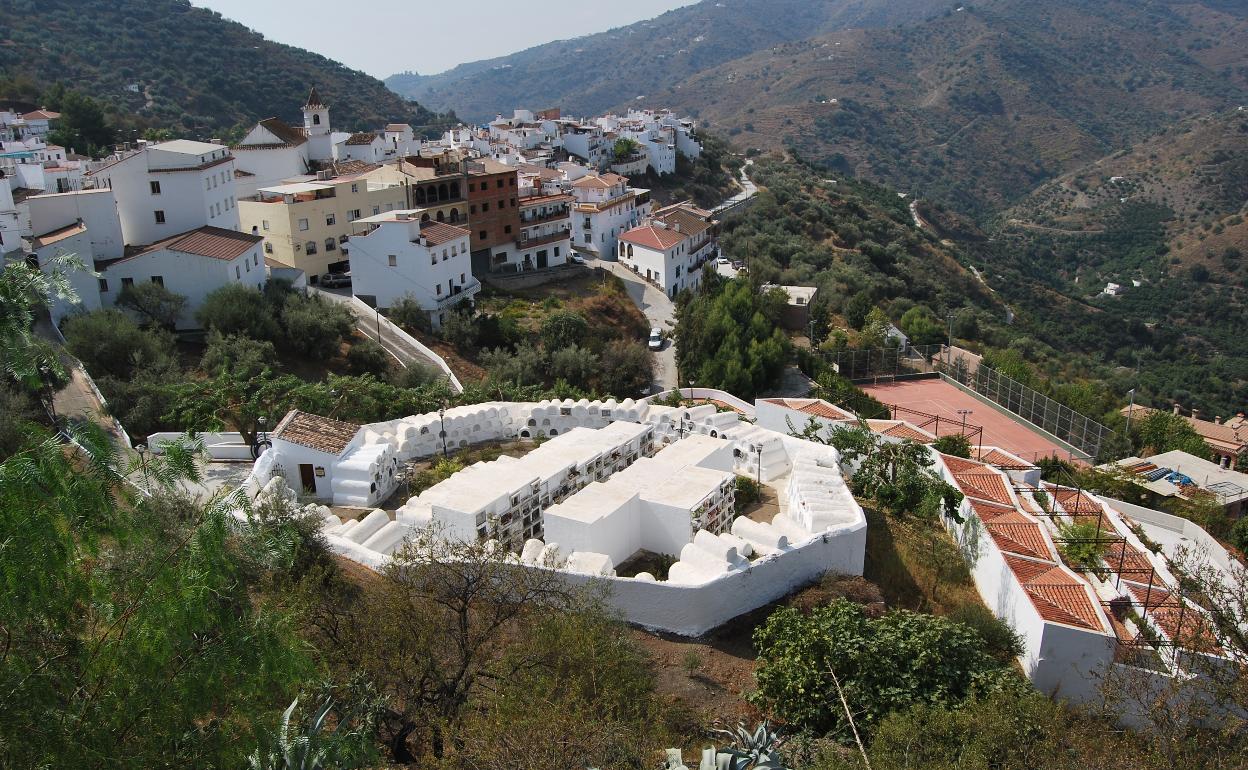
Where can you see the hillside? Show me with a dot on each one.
(594, 73)
(979, 106)
(164, 63)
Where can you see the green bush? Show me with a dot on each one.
(955, 444)
(367, 357)
(235, 309)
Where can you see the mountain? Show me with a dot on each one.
(594, 73)
(978, 106)
(165, 63)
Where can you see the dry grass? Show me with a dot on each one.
(916, 565)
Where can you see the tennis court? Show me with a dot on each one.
(937, 397)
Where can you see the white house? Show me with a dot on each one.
(395, 255)
(331, 460)
(82, 224)
(316, 128)
(171, 188)
(192, 264)
(669, 250)
(545, 237)
(605, 207)
(366, 146)
(272, 151)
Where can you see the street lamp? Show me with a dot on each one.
(442, 433)
(758, 450)
(142, 450)
(692, 393)
(949, 345)
(964, 413)
(1130, 409)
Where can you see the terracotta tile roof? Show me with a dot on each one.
(59, 234)
(986, 485)
(287, 134)
(41, 115)
(987, 511)
(1068, 604)
(1020, 537)
(957, 464)
(651, 237)
(1075, 501)
(1126, 560)
(1027, 570)
(315, 432)
(603, 181)
(688, 223)
(902, 430)
(208, 241)
(363, 138)
(1185, 625)
(999, 459)
(397, 127)
(813, 406)
(438, 233)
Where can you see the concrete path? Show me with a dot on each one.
(658, 310)
(366, 324)
(748, 189)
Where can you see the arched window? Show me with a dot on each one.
(441, 216)
(330, 244)
(310, 247)
(316, 120)
(454, 190)
(454, 215)
(420, 195)
(621, 249)
(443, 193)
(424, 218)
(630, 249)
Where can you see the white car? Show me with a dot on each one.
(723, 261)
(656, 339)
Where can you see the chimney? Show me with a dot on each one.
(1195, 414)
(1176, 408)
(1217, 419)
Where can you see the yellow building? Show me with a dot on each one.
(305, 223)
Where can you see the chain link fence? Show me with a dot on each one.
(884, 362)
(1083, 433)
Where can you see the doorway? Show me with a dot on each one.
(307, 477)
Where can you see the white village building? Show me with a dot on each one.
(606, 207)
(670, 248)
(395, 255)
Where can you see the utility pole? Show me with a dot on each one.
(1130, 409)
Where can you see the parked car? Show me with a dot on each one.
(577, 259)
(656, 339)
(738, 265)
(723, 261)
(336, 280)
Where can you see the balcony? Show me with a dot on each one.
(548, 217)
(460, 294)
(528, 243)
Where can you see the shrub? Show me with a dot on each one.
(625, 369)
(314, 326)
(239, 310)
(246, 357)
(109, 342)
(1081, 545)
(563, 328)
(999, 639)
(367, 357)
(955, 444)
(153, 303)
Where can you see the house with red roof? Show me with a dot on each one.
(669, 249)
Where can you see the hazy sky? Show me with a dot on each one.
(428, 36)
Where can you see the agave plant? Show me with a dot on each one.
(310, 746)
(757, 749)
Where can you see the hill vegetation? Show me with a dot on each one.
(167, 64)
(594, 73)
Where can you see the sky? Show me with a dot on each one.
(429, 36)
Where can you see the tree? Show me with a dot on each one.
(153, 303)
(955, 444)
(82, 126)
(238, 310)
(857, 308)
(439, 631)
(835, 389)
(575, 365)
(243, 357)
(110, 343)
(626, 369)
(730, 337)
(876, 330)
(897, 475)
(922, 326)
(1162, 431)
(314, 326)
(623, 149)
(883, 665)
(563, 328)
(367, 357)
(525, 366)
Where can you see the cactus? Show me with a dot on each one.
(746, 750)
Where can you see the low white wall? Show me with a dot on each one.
(692, 610)
(218, 446)
(1201, 540)
(744, 407)
(390, 328)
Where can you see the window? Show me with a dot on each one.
(376, 210)
(247, 264)
(439, 288)
(255, 258)
(127, 282)
(264, 224)
(461, 279)
(472, 209)
(502, 204)
(155, 187)
(511, 181)
(500, 184)
(472, 187)
(485, 207)
(393, 259)
(507, 229)
(330, 220)
(355, 187)
(353, 214)
(103, 285)
(303, 224)
(268, 248)
(237, 273)
(160, 217)
(556, 251)
(513, 203)
(159, 280)
(483, 234)
(331, 244)
(310, 247)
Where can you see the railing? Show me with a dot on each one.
(460, 293)
(539, 219)
(562, 235)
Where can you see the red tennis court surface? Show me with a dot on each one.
(937, 397)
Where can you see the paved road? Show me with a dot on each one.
(366, 324)
(748, 189)
(658, 310)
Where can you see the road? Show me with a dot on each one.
(748, 189)
(658, 310)
(366, 324)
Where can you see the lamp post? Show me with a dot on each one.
(142, 450)
(758, 451)
(949, 344)
(964, 413)
(1130, 409)
(693, 394)
(442, 432)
